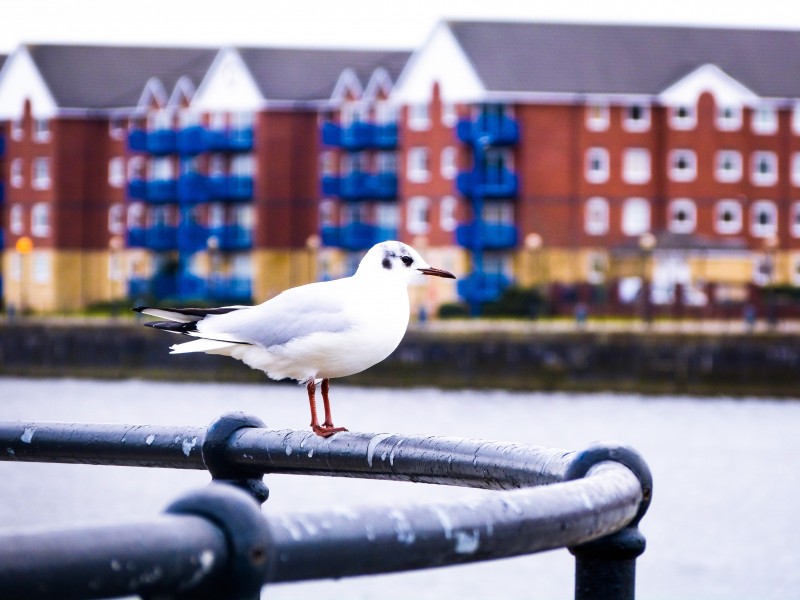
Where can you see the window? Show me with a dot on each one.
(387, 216)
(764, 168)
(795, 219)
(159, 120)
(41, 173)
(595, 216)
(637, 117)
(682, 165)
(729, 118)
(116, 172)
(352, 112)
(418, 117)
(636, 165)
(796, 117)
(116, 127)
(728, 217)
(682, 216)
(498, 213)
(635, 216)
(597, 165)
(15, 173)
(115, 266)
(16, 222)
(41, 130)
(765, 119)
(327, 213)
(216, 215)
(796, 169)
(161, 169)
(596, 267)
(41, 266)
(242, 165)
(449, 114)
(386, 162)
(418, 216)
(216, 165)
(728, 167)
(683, 117)
(327, 163)
(40, 219)
(17, 130)
(242, 120)
(218, 121)
(116, 219)
(418, 169)
(447, 213)
(796, 269)
(763, 219)
(385, 112)
(135, 216)
(136, 168)
(449, 167)
(597, 116)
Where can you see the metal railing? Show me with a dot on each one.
(216, 543)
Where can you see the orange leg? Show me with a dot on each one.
(326, 429)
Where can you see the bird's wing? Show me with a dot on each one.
(184, 315)
(296, 313)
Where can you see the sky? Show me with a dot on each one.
(341, 23)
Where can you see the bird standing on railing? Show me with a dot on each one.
(313, 332)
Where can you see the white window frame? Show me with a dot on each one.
(448, 209)
(683, 122)
(732, 175)
(636, 168)
(449, 114)
(688, 208)
(41, 130)
(387, 215)
(116, 219)
(418, 164)
(728, 227)
(42, 266)
(419, 117)
(596, 214)
(594, 260)
(640, 124)
(116, 128)
(764, 179)
(598, 115)
(630, 222)
(449, 164)
(763, 230)
(601, 157)
(40, 173)
(794, 216)
(764, 119)
(795, 169)
(16, 219)
(40, 219)
(418, 217)
(689, 172)
(116, 172)
(17, 129)
(729, 123)
(243, 165)
(796, 117)
(15, 173)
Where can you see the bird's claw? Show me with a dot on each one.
(327, 430)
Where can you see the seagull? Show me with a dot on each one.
(314, 332)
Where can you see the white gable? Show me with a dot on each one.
(710, 78)
(347, 82)
(379, 83)
(21, 80)
(228, 86)
(153, 94)
(441, 59)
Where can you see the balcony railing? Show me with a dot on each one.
(356, 236)
(234, 188)
(494, 130)
(482, 287)
(492, 236)
(161, 238)
(230, 288)
(490, 183)
(192, 237)
(360, 135)
(232, 237)
(192, 188)
(359, 185)
(191, 140)
(217, 542)
(229, 140)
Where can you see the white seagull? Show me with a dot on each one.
(315, 332)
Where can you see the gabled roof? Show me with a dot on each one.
(104, 77)
(303, 75)
(624, 59)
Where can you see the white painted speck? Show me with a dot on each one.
(402, 527)
(391, 454)
(206, 560)
(373, 444)
(467, 542)
(116, 565)
(150, 439)
(10, 451)
(444, 520)
(27, 435)
(310, 453)
(288, 450)
(188, 445)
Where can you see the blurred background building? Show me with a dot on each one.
(617, 169)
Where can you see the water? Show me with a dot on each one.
(723, 523)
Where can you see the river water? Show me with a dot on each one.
(723, 524)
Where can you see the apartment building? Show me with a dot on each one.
(522, 153)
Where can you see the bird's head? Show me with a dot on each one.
(397, 261)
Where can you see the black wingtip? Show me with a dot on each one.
(139, 309)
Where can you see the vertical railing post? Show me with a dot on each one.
(605, 569)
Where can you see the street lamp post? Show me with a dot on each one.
(24, 247)
(647, 242)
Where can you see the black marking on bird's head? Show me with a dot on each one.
(407, 260)
(387, 263)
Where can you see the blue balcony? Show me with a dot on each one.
(493, 183)
(192, 188)
(489, 130)
(231, 238)
(477, 288)
(192, 237)
(191, 287)
(230, 288)
(356, 236)
(359, 185)
(382, 186)
(164, 285)
(2, 192)
(162, 141)
(237, 188)
(138, 287)
(161, 238)
(137, 140)
(137, 189)
(492, 236)
(384, 136)
(359, 135)
(2, 146)
(191, 140)
(229, 140)
(161, 191)
(137, 237)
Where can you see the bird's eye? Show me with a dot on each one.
(407, 260)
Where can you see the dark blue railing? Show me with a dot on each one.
(481, 286)
(356, 236)
(360, 135)
(492, 236)
(492, 130)
(488, 183)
